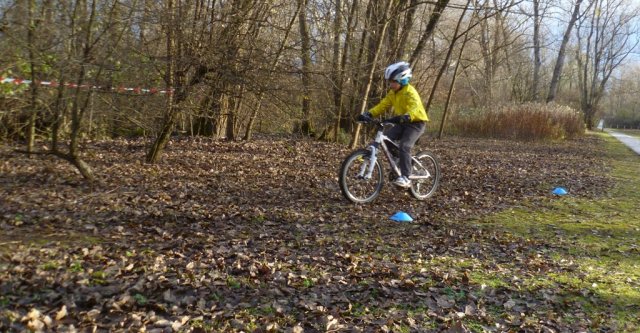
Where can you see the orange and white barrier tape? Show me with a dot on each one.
(119, 89)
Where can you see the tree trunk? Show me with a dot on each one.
(83, 167)
(274, 64)
(359, 79)
(336, 73)
(170, 112)
(608, 43)
(445, 113)
(401, 45)
(229, 130)
(249, 133)
(233, 112)
(557, 70)
(356, 134)
(82, 46)
(77, 111)
(537, 62)
(489, 56)
(305, 54)
(431, 26)
(341, 122)
(31, 126)
(445, 65)
(58, 114)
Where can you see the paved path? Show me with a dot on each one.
(630, 141)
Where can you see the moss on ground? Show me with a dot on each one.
(600, 236)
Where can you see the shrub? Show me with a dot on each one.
(532, 121)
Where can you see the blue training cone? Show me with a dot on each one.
(401, 217)
(559, 191)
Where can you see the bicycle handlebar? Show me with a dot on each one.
(377, 122)
(393, 120)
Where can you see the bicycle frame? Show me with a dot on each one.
(381, 140)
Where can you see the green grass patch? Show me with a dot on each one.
(76, 267)
(594, 242)
(474, 326)
(99, 278)
(34, 239)
(477, 274)
(489, 279)
(140, 299)
(233, 283)
(50, 266)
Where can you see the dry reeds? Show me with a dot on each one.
(528, 122)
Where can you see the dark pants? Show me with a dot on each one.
(406, 135)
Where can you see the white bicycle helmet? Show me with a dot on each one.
(400, 71)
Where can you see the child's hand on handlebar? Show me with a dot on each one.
(364, 117)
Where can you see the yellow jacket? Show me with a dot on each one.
(404, 101)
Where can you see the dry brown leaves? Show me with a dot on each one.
(255, 236)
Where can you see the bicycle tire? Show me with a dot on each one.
(353, 187)
(424, 188)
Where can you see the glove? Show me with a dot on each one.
(364, 117)
(399, 119)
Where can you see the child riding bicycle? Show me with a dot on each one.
(410, 115)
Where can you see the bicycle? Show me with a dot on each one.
(361, 174)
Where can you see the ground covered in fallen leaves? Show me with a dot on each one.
(256, 237)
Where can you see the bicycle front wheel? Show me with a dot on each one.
(425, 176)
(355, 183)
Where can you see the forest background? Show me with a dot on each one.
(228, 69)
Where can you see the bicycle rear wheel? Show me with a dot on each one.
(425, 176)
(353, 182)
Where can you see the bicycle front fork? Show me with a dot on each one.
(366, 170)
